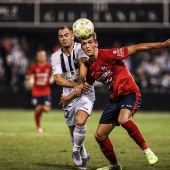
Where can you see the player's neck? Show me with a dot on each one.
(41, 63)
(94, 56)
(67, 51)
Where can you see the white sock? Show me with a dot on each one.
(72, 140)
(78, 136)
(83, 151)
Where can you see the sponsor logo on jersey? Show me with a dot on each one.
(72, 75)
(104, 68)
(106, 78)
(119, 52)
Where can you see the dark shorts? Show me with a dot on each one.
(43, 100)
(111, 111)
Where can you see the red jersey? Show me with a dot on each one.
(41, 74)
(111, 70)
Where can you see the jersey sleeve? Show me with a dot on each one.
(50, 68)
(56, 64)
(90, 80)
(115, 53)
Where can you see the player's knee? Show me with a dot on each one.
(122, 120)
(99, 137)
(81, 120)
(80, 123)
(38, 108)
(46, 108)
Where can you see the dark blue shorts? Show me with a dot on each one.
(111, 111)
(43, 100)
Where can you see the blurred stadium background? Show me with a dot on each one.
(26, 26)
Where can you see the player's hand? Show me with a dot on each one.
(86, 87)
(63, 101)
(167, 43)
(78, 89)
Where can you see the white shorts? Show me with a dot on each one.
(84, 102)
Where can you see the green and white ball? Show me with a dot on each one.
(83, 28)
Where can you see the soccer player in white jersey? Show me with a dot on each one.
(69, 69)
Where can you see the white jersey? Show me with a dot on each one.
(67, 66)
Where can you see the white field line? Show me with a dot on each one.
(11, 134)
(30, 134)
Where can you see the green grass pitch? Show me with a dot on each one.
(22, 148)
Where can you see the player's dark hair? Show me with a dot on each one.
(39, 50)
(64, 27)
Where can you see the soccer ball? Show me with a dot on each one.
(83, 28)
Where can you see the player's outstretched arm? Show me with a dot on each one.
(148, 46)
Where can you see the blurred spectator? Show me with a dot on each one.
(151, 70)
(3, 54)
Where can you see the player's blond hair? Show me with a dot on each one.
(94, 35)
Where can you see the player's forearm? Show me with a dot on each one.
(51, 79)
(144, 47)
(64, 83)
(71, 96)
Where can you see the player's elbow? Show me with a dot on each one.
(58, 82)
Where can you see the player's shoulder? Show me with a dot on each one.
(108, 51)
(79, 51)
(56, 53)
(77, 46)
(48, 64)
(33, 65)
(102, 52)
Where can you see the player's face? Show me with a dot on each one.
(89, 46)
(41, 57)
(65, 37)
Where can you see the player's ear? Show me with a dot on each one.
(73, 37)
(96, 43)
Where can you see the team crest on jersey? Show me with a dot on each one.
(104, 68)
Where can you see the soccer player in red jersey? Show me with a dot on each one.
(107, 66)
(41, 72)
